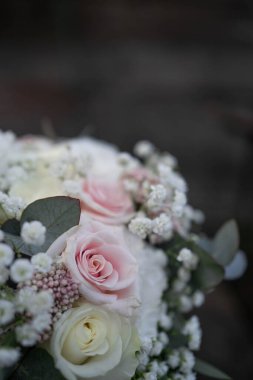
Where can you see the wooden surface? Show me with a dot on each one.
(176, 72)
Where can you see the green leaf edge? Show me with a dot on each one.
(209, 370)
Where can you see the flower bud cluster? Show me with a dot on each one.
(160, 193)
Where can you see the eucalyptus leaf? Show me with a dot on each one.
(209, 370)
(37, 364)
(57, 214)
(12, 226)
(208, 273)
(226, 243)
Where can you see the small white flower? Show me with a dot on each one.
(162, 226)
(125, 159)
(143, 359)
(33, 233)
(144, 149)
(174, 359)
(42, 322)
(146, 345)
(193, 330)
(21, 270)
(7, 312)
(163, 337)
(179, 203)
(13, 206)
(72, 188)
(26, 335)
(41, 262)
(42, 302)
(4, 274)
(185, 304)
(150, 376)
(8, 356)
(157, 196)
(188, 361)
(157, 348)
(24, 299)
(166, 321)
(162, 369)
(140, 226)
(178, 285)
(188, 258)
(184, 274)
(6, 254)
(190, 376)
(198, 298)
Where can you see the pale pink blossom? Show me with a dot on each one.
(101, 262)
(106, 201)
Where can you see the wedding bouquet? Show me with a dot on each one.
(101, 263)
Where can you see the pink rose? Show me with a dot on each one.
(99, 260)
(106, 201)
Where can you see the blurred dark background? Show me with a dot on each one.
(179, 73)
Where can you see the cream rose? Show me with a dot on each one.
(37, 186)
(101, 261)
(91, 342)
(106, 200)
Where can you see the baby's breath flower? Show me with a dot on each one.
(21, 270)
(7, 312)
(188, 258)
(33, 233)
(157, 196)
(188, 361)
(8, 356)
(193, 331)
(144, 149)
(141, 226)
(42, 322)
(42, 302)
(41, 262)
(6, 254)
(162, 226)
(24, 299)
(13, 206)
(198, 298)
(26, 335)
(179, 203)
(185, 303)
(174, 359)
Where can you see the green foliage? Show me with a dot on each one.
(208, 370)
(226, 243)
(37, 364)
(57, 214)
(208, 273)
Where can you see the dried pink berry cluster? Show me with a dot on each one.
(59, 282)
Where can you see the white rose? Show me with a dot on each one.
(91, 342)
(37, 186)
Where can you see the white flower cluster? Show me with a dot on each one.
(33, 233)
(38, 305)
(9, 356)
(161, 193)
(12, 207)
(193, 331)
(179, 363)
(26, 302)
